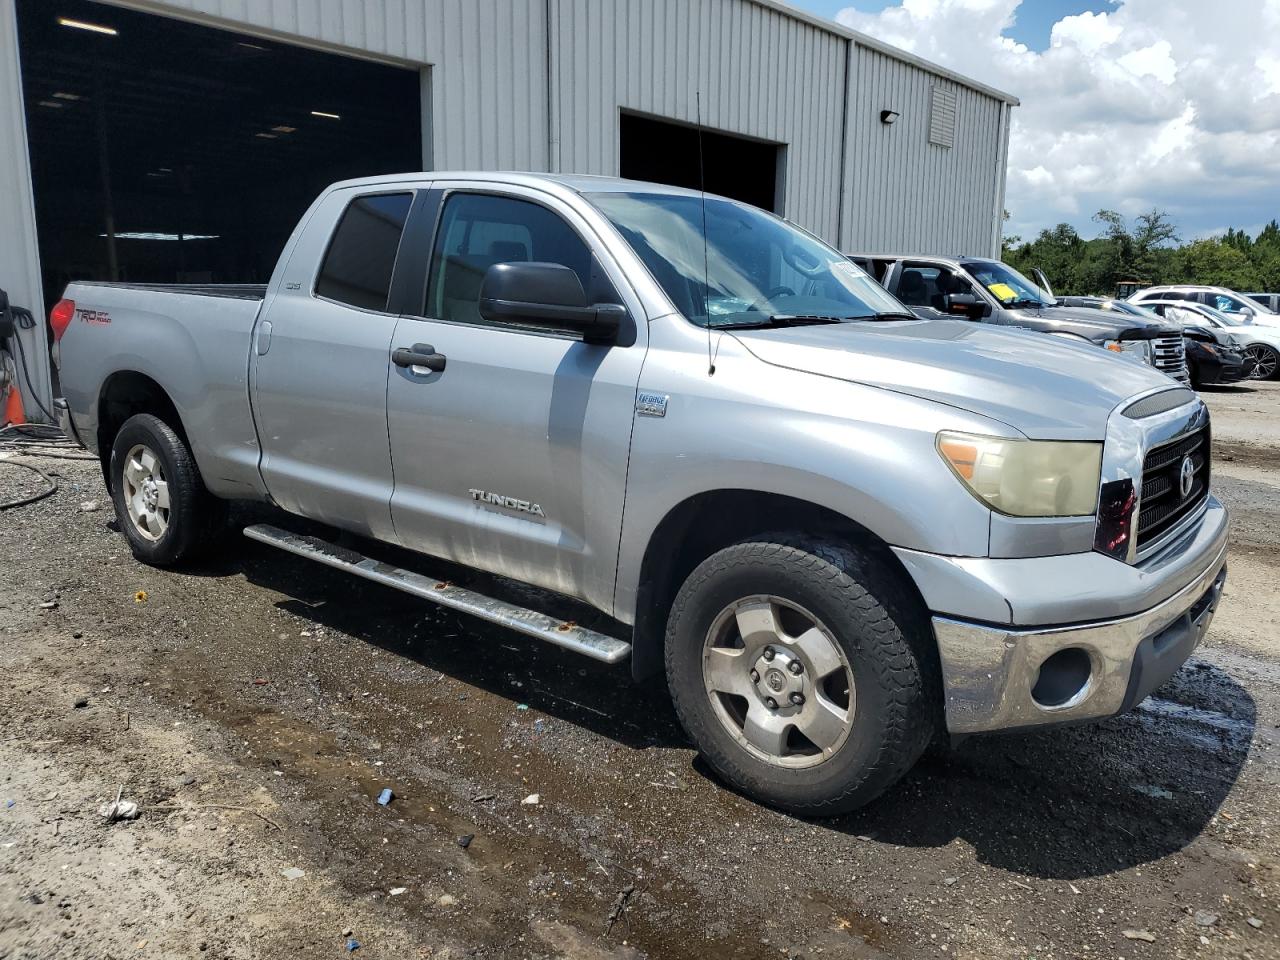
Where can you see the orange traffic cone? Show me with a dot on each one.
(10, 399)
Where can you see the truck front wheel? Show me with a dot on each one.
(161, 503)
(793, 672)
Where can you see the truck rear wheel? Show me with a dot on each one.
(161, 503)
(794, 674)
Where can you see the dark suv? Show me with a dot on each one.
(989, 291)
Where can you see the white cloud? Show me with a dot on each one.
(1158, 103)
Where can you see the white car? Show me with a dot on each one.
(1219, 298)
(1260, 343)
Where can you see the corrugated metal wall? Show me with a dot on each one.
(905, 194)
(761, 73)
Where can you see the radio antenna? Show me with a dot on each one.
(706, 260)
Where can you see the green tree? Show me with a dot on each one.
(1217, 263)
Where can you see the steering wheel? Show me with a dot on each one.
(769, 295)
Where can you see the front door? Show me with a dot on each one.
(512, 458)
(320, 366)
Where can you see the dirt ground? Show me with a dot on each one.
(255, 707)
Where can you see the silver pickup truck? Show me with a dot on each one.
(841, 529)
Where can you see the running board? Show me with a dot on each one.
(563, 633)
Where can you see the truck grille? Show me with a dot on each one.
(1169, 355)
(1163, 503)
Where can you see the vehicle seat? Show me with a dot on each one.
(945, 284)
(912, 289)
(464, 274)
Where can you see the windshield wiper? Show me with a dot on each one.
(781, 320)
(1026, 302)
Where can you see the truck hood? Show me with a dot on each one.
(1101, 324)
(1047, 387)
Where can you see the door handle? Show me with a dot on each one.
(419, 355)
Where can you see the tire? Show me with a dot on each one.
(1267, 360)
(817, 596)
(150, 466)
(1193, 374)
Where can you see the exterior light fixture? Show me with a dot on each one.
(283, 129)
(91, 27)
(327, 116)
(52, 104)
(63, 95)
(889, 116)
(266, 136)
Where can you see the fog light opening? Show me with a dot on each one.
(1063, 678)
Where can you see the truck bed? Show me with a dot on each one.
(193, 341)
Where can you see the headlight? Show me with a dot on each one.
(1027, 478)
(1139, 350)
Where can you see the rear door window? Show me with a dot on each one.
(361, 257)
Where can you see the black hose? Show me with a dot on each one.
(24, 320)
(50, 490)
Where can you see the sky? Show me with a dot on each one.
(1126, 104)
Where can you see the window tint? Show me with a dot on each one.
(925, 286)
(479, 230)
(917, 285)
(1227, 304)
(357, 267)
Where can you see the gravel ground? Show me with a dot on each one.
(255, 707)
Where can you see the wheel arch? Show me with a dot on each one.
(124, 394)
(709, 521)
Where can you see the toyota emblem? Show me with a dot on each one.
(1186, 477)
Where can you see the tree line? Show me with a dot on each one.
(1147, 250)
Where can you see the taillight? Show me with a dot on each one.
(60, 317)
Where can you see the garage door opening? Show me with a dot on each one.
(168, 152)
(736, 167)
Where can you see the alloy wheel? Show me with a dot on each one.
(1265, 361)
(779, 682)
(146, 492)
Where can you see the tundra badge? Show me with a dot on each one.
(511, 503)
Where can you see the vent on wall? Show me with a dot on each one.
(942, 117)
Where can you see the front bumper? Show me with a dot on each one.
(1090, 668)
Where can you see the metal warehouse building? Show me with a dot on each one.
(178, 141)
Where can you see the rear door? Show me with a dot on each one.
(513, 457)
(320, 365)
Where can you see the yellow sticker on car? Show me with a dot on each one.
(1003, 291)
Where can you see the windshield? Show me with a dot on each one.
(752, 268)
(1225, 319)
(1007, 285)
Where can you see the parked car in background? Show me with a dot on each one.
(1269, 300)
(988, 291)
(1259, 344)
(846, 529)
(1220, 298)
(1214, 357)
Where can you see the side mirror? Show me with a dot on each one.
(966, 304)
(547, 295)
(6, 318)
